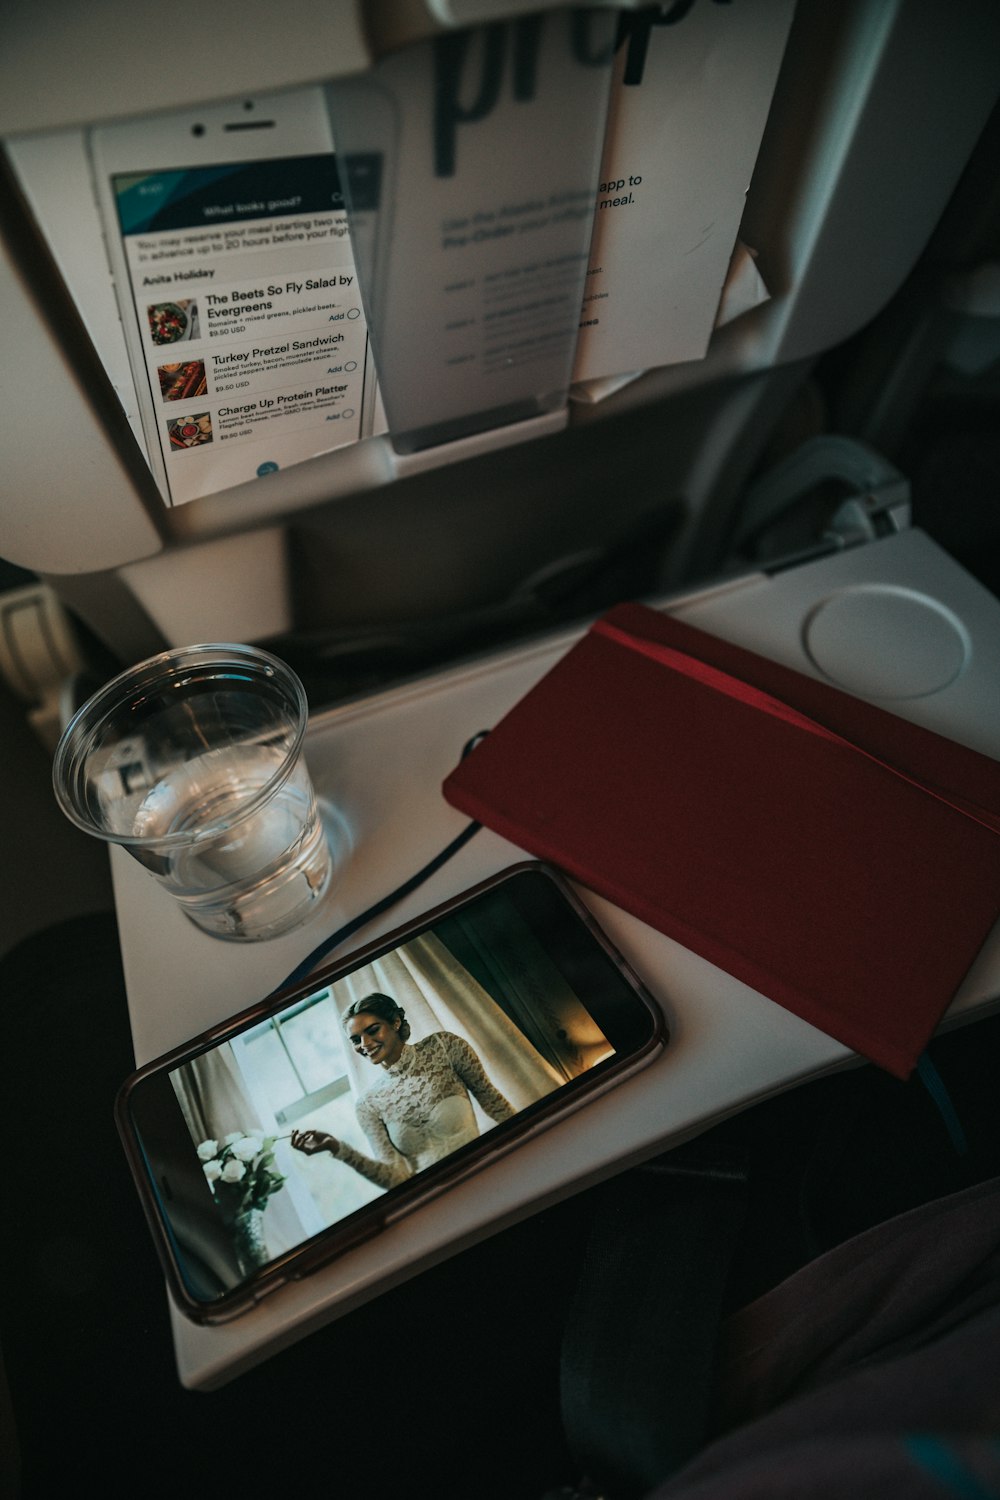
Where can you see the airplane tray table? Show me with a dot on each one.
(895, 621)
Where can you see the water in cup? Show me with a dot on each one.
(194, 762)
(267, 861)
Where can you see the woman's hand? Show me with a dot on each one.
(311, 1141)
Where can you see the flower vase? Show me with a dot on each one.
(248, 1237)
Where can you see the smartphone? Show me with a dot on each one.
(310, 1122)
(229, 247)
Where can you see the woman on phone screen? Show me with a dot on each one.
(418, 1108)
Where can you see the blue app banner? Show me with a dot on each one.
(227, 194)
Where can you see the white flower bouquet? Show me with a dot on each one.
(241, 1171)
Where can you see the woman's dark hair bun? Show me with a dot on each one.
(383, 1006)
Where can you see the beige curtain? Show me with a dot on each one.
(213, 1098)
(215, 1101)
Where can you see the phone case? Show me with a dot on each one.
(636, 1033)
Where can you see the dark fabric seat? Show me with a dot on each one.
(450, 1384)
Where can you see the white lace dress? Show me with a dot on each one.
(418, 1110)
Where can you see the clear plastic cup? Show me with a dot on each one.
(193, 761)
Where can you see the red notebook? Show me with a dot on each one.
(840, 860)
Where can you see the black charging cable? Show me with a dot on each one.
(311, 960)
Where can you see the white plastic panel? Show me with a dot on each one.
(232, 589)
(69, 503)
(73, 64)
(54, 173)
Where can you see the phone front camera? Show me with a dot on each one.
(197, 130)
(248, 104)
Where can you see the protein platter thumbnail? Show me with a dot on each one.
(190, 432)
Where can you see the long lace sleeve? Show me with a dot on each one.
(470, 1070)
(391, 1167)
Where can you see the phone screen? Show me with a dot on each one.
(500, 1012)
(248, 315)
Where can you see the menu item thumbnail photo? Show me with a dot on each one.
(179, 382)
(172, 322)
(190, 432)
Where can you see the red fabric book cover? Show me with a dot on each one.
(842, 861)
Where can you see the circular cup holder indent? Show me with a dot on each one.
(881, 641)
